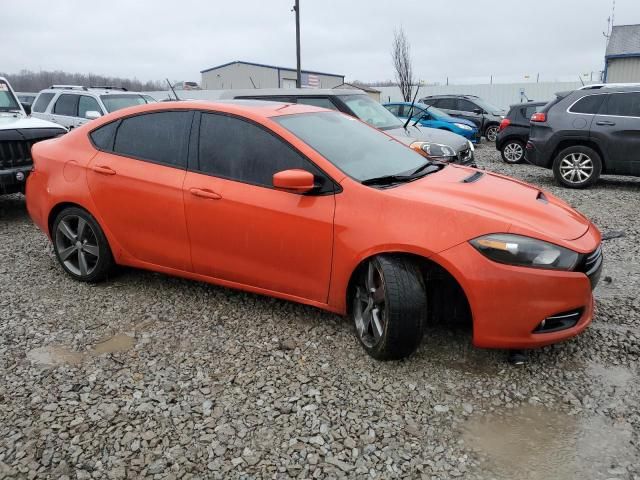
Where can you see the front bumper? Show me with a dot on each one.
(13, 180)
(509, 303)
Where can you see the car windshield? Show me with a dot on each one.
(371, 112)
(487, 106)
(358, 150)
(116, 102)
(8, 101)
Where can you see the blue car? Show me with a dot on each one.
(431, 117)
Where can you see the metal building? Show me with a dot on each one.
(240, 74)
(622, 60)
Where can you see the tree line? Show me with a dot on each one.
(30, 81)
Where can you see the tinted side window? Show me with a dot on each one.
(395, 109)
(66, 105)
(103, 137)
(42, 102)
(317, 102)
(447, 104)
(159, 137)
(239, 150)
(466, 106)
(87, 104)
(589, 104)
(527, 112)
(623, 104)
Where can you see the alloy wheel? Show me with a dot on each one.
(513, 152)
(576, 168)
(492, 133)
(370, 310)
(77, 245)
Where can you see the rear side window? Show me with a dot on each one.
(103, 137)
(589, 104)
(238, 150)
(158, 137)
(395, 109)
(623, 105)
(41, 103)
(66, 105)
(530, 110)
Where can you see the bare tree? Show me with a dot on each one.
(401, 56)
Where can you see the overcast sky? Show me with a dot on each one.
(464, 39)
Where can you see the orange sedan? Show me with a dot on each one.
(316, 207)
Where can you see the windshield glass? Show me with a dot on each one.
(7, 101)
(116, 102)
(433, 111)
(487, 106)
(358, 150)
(371, 112)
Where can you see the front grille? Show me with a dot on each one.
(15, 153)
(591, 265)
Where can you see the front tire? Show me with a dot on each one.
(81, 246)
(491, 133)
(577, 167)
(513, 152)
(389, 307)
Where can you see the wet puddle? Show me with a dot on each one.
(533, 443)
(58, 355)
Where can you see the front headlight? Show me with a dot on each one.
(525, 251)
(462, 126)
(434, 150)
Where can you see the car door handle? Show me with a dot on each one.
(103, 170)
(606, 123)
(203, 193)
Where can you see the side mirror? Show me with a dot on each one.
(27, 108)
(92, 114)
(478, 111)
(295, 180)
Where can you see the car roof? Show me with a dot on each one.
(611, 87)
(249, 108)
(452, 95)
(288, 92)
(84, 90)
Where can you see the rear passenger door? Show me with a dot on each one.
(136, 181)
(65, 110)
(616, 128)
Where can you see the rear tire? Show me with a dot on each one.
(81, 246)
(513, 152)
(389, 307)
(577, 167)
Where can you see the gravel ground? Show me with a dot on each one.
(151, 376)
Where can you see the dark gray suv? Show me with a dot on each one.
(486, 116)
(588, 132)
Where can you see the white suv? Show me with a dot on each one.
(71, 105)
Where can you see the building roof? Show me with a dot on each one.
(624, 40)
(358, 87)
(270, 66)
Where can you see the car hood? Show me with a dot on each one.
(423, 134)
(20, 122)
(525, 207)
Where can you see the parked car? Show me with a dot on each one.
(313, 206)
(18, 132)
(74, 105)
(431, 117)
(432, 143)
(487, 117)
(587, 133)
(513, 133)
(26, 99)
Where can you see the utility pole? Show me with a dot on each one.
(296, 8)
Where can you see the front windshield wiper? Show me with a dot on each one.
(424, 114)
(419, 172)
